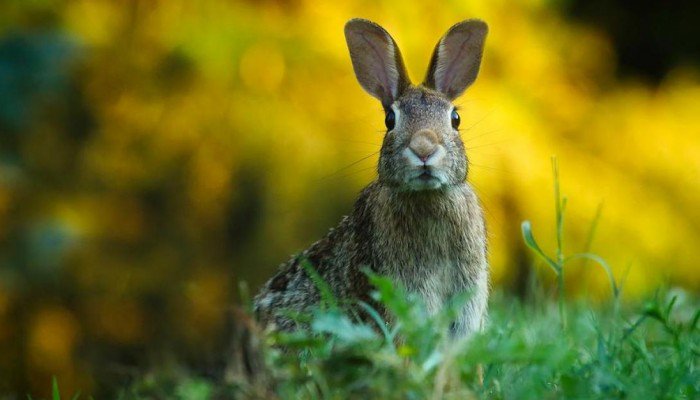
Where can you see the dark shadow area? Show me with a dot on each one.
(649, 37)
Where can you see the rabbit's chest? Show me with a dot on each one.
(435, 246)
(437, 285)
(432, 263)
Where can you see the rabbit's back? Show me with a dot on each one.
(337, 259)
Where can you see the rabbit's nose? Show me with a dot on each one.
(423, 144)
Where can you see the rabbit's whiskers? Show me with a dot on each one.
(360, 142)
(486, 167)
(482, 119)
(335, 173)
(481, 135)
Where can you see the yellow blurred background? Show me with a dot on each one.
(156, 153)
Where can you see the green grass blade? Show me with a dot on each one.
(588, 245)
(694, 322)
(669, 307)
(526, 228)
(378, 320)
(246, 300)
(327, 296)
(391, 294)
(559, 206)
(600, 261)
(55, 393)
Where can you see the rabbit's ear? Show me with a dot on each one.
(376, 60)
(456, 59)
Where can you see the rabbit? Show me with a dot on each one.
(420, 222)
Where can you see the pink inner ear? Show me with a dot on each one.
(453, 51)
(458, 57)
(376, 60)
(382, 66)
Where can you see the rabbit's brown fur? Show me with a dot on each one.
(420, 222)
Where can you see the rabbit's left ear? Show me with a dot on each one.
(457, 57)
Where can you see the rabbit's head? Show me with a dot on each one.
(422, 149)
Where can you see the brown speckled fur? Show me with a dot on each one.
(430, 239)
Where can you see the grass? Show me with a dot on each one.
(645, 351)
(539, 349)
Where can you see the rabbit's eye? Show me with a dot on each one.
(455, 119)
(390, 120)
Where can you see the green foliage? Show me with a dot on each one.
(524, 352)
(644, 351)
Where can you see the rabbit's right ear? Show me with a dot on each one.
(376, 60)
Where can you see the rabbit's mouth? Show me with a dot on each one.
(425, 179)
(426, 175)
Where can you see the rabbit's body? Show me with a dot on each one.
(419, 223)
(444, 254)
